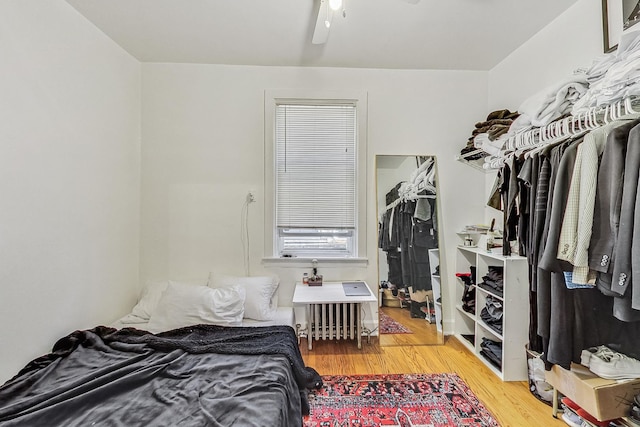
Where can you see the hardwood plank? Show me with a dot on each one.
(423, 331)
(510, 402)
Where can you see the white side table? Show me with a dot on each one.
(329, 293)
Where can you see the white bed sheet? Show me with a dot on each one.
(283, 316)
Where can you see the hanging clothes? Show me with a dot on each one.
(408, 229)
(528, 177)
(388, 237)
(559, 307)
(567, 195)
(604, 241)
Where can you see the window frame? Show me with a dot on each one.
(314, 97)
(326, 253)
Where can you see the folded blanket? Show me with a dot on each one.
(494, 127)
(612, 76)
(486, 144)
(554, 101)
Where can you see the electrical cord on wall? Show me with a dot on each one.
(364, 328)
(244, 235)
(244, 232)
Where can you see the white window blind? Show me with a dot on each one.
(315, 166)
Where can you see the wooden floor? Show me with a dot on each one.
(423, 331)
(510, 402)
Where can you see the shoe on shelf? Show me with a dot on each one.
(570, 412)
(635, 413)
(612, 365)
(586, 355)
(592, 420)
(572, 419)
(570, 406)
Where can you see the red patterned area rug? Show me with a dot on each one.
(390, 326)
(411, 400)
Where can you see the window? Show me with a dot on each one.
(302, 221)
(315, 175)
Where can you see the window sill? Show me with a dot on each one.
(322, 262)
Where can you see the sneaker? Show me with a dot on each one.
(635, 413)
(570, 406)
(572, 419)
(585, 356)
(592, 420)
(612, 365)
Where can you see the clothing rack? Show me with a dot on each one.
(399, 200)
(564, 128)
(424, 184)
(421, 187)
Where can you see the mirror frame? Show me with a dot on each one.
(434, 336)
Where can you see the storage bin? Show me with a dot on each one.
(542, 390)
(388, 300)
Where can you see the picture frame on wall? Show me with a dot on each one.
(618, 17)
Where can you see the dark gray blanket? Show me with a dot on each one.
(198, 376)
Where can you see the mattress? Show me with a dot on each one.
(284, 316)
(198, 375)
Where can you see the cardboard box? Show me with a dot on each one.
(602, 398)
(388, 300)
(421, 295)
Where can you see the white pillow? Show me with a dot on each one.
(151, 295)
(185, 305)
(261, 300)
(149, 299)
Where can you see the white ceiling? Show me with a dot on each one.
(433, 34)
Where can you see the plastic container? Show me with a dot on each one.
(542, 390)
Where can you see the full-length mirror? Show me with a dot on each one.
(410, 306)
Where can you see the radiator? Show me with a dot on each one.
(333, 321)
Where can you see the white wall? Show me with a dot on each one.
(70, 167)
(69, 178)
(203, 132)
(571, 41)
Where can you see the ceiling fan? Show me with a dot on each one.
(326, 10)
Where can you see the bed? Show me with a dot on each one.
(194, 374)
(282, 316)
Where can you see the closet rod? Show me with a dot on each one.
(563, 128)
(399, 200)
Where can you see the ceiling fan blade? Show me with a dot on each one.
(321, 32)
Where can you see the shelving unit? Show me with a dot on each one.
(434, 262)
(475, 237)
(470, 328)
(469, 159)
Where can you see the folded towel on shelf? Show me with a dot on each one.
(613, 76)
(484, 142)
(493, 128)
(552, 102)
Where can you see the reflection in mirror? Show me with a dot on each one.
(410, 306)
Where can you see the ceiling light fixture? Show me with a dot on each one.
(326, 9)
(335, 4)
